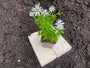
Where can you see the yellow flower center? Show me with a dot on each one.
(44, 13)
(31, 13)
(37, 10)
(58, 28)
(59, 23)
(51, 8)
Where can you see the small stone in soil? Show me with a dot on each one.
(1, 58)
(18, 60)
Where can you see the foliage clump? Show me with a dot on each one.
(45, 19)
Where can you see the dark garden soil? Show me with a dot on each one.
(16, 25)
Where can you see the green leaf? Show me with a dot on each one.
(58, 13)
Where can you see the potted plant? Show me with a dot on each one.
(48, 44)
(44, 19)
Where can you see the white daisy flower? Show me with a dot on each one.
(60, 27)
(59, 22)
(45, 12)
(52, 8)
(37, 9)
(31, 13)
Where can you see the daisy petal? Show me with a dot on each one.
(33, 9)
(38, 13)
(56, 31)
(35, 13)
(36, 6)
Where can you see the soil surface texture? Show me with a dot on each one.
(16, 25)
